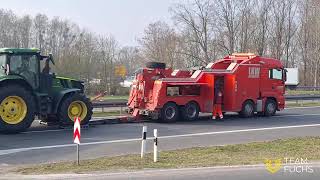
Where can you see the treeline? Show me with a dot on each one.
(202, 31)
(78, 53)
(205, 30)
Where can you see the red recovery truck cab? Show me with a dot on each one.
(249, 84)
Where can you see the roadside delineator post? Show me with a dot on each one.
(77, 135)
(155, 145)
(143, 143)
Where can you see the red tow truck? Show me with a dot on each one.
(249, 84)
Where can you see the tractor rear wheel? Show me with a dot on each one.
(169, 113)
(17, 109)
(76, 105)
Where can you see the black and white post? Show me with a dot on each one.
(155, 145)
(77, 135)
(144, 141)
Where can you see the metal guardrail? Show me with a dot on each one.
(106, 104)
(123, 103)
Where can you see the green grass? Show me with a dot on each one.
(241, 154)
(109, 113)
(300, 92)
(115, 97)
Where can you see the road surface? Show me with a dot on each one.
(207, 173)
(44, 144)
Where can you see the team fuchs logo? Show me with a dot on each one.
(273, 166)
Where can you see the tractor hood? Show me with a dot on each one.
(65, 82)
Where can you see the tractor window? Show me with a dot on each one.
(3, 64)
(26, 66)
(275, 74)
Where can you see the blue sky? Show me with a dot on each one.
(125, 19)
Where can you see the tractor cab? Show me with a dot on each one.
(29, 65)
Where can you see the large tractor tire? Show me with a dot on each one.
(156, 65)
(190, 111)
(76, 105)
(169, 113)
(17, 109)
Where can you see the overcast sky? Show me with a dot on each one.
(125, 19)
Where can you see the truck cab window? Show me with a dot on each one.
(275, 74)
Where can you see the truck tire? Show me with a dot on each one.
(270, 107)
(169, 113)
(76, 105)
(156, 65)
(247, 109)
(190, 111)
(17, 109)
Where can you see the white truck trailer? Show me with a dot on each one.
(292, 78)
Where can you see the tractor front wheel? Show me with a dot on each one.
(76, 105)
(17, 109)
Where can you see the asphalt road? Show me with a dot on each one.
(206, 173)
(44, 144)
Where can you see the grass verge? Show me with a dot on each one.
(308, 104)
(241, 154)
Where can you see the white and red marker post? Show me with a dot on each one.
(77, 135)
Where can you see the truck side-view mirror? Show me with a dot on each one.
(284, 75)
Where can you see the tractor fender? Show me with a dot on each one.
(15, 79)
(59, 96)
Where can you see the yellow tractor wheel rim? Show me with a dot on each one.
(13, 110)
(77, 109)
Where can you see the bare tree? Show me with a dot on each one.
(198, 19)
(159, 43)
(228, 23)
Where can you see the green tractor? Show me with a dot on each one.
(28, 89)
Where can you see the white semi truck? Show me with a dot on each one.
(292, 78)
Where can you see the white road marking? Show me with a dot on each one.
(10, 151)
(239, 131)
(277, 116)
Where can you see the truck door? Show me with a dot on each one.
(273, 85)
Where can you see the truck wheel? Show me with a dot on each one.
(76, 105)
(156, 65)
(169, 113)
(190, 111)
(17, 109)
(247, 109)
(270, 107)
